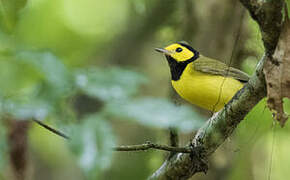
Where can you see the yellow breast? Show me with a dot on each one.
(211, 92)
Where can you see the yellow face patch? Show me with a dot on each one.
(179, 52)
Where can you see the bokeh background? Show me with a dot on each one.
(89, 69)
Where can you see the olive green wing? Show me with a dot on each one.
(215, 67)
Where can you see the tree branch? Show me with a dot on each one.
(268, 14)
(173, 137)
(148, 145)
(55, 131)
(219, 127)
(174, 141)
(173, 132)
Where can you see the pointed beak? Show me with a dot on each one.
(164, 51)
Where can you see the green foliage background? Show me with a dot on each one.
(88, 68)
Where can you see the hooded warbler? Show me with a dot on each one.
(200, 80)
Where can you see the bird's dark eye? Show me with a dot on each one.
(178, 49)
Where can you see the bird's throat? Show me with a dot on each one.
(176, 68)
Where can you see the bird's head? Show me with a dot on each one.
(179, 52)
(178, 55)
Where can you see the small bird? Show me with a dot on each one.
(205, 82)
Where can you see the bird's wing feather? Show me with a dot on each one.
(210, 66)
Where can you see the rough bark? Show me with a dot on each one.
(277, 72)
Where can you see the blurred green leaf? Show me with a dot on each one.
(92, 143)
(273, 161)
(288, 7)
(249, 64)
(254, 43)
(25, 111)
(156, 112)
(38, 81)
(93, 18)
(110, 83)
(6, 44)
(56, 77)
(286, 105)
(9, 12)
(256, 124)
(17, 79)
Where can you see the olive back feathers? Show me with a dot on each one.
(214, 67)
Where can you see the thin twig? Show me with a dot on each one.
(173, 132)
(173, 137)
(174, 142)
(149, 145)
(141, 147)
(57, 132)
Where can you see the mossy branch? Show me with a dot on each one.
(148, 145)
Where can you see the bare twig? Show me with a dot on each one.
(174, 141)
(148, 145)
(55, 131)
(173, 137)
(173, 133)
